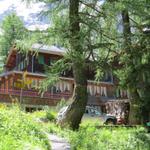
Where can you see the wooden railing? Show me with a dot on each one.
(26, 93)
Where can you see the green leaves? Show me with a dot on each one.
(99, 74)
(53, 73)
(13, 29)
(106, 139)
(20, 133)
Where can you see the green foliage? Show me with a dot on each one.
(88, 137)
(38, 114)
(106, 139)
(100, 38)
(1, 63)
(20, 132)
(25, 44)
(12, 30)
(99, 74)
(61, 104)
(53, 73)
(51, 114)
(133, 50)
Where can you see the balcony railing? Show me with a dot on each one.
(26, 93)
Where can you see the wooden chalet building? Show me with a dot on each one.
(33, 64)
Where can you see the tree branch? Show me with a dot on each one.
(90, 6)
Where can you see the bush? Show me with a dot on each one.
(62, 104)
(51, 115)
(18, 131)
(88, 138)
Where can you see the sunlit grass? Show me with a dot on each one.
(90, 137)
(24, 131)
(18, 131)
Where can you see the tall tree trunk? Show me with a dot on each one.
(145, 96)
(134, 101)
(76, 110)
(126, 30)
(135, 108)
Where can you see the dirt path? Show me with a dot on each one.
(58, 143)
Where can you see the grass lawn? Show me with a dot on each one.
(18, 131)
(88, 137)
(23, 131)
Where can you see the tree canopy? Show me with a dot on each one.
(12, 29)
(110, 34)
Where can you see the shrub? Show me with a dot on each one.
(91, 138)
(62, 104)
(88, 138)
(51, 115)
(18, 131)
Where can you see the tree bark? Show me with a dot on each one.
(135, 108)
(76, 110)
(126, 29)
(134, 115)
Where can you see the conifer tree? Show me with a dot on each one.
(12, 29)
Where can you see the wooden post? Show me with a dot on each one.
(2, 85)
(6, 84)
(16, 61)
(32, 63)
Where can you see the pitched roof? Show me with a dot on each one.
(40, 48)
(48, 49)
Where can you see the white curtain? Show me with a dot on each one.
(69, 86)
(91, 89)
(121, 93)
(88, 89)
(128, 94)
(98, 89)
(101, 91)
(61, 86)
(117, 92)
(57, 86)
(95, 89)
(66, 86)
(105, 91)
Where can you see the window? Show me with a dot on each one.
(41, 59)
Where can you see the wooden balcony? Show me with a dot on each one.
(63, 86)
(98, 92)
(35, 94)
(62, 89)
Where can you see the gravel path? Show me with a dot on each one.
(58, 143)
